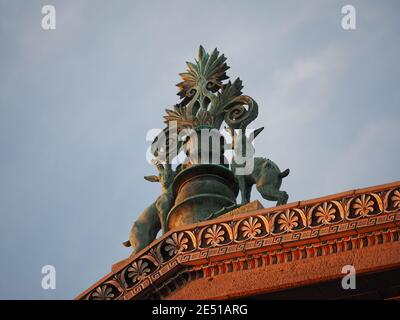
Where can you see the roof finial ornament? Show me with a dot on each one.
(204, 186)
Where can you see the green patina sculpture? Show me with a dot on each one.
(266, 175)
(200, 189)
(153, 218)
(268, 179)
(206, 100)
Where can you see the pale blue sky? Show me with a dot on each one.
(76, 104)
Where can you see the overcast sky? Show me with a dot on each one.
(76, 104)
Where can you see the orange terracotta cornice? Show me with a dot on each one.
(300, 224)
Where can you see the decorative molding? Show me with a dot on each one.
(295, 231)
(265, 259)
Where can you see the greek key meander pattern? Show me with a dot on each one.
(261, 232)
(263, 260)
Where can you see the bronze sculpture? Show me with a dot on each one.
(268, 179)
(204, 186)
(153, 218)
(265, 174)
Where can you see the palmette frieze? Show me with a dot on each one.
(262, 230)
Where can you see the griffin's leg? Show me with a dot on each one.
(248, 187)
(145, 229)
(244, 193)
(272, 194)
(164, 205)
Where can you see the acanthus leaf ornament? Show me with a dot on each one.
(176, 244)
(103, 292)
(396, 199)
(325, 213)
(214, 235)
(288, 221)
(251, 228)
(206, 100)
(363, 205)
(138, 270)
